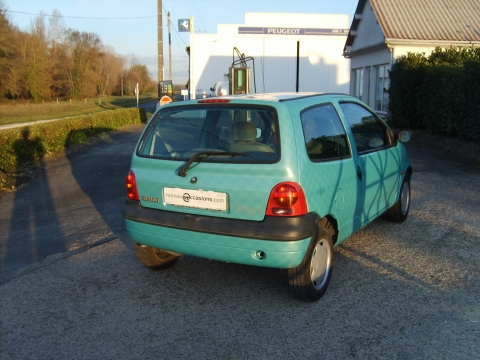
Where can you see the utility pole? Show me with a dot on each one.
(169, 48)
(160, 42)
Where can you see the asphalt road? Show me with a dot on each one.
(71, 287)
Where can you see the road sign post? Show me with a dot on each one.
(136, 92)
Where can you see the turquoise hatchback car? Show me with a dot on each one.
(274, 180)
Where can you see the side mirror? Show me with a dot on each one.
(259, 133)
(404, 136)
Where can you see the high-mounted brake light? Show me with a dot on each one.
(131, 183)
(287, 199)
(211, 101)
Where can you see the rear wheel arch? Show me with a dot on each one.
(408, 173)
(331, 224)
(310, 279)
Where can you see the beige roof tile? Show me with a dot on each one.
(423, 20)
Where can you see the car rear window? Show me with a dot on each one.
(245, 133)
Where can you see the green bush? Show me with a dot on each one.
(439, 99)
(406, 75)
(467, 125)
(439, 93)
(24, 147)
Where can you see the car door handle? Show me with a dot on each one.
(359, 172)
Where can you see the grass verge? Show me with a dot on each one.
(18, 112)
(23, 148)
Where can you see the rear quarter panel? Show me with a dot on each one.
(331, 187)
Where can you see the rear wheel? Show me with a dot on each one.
(399, 211)
(154, 258)
(310, 279)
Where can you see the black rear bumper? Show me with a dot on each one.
(271, 228)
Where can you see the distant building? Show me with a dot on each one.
(271, 39)
(383, 30)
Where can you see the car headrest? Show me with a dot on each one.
(244, 131)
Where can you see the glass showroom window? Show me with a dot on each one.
(381, 86)
(358, 83)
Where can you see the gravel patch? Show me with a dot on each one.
(398, 291)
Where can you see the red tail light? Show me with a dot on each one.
(131, 183)
(287, 199)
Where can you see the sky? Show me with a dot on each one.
(130, 27)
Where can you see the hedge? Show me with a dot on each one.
(23, 148)
(406, 75)
(439, 93)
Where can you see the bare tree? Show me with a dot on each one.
(56, 29)
(84, 51)
(129, 78)
(55, 62)
(139, 74)
(35, 59)
(8, 70)
(111, 68)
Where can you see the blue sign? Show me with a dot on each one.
(291, 31)
(183, 25)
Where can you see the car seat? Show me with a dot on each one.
(243, 139)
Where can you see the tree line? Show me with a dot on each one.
(52, 61)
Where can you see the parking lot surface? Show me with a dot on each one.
(71, 287)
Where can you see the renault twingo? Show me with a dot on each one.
(274, 180)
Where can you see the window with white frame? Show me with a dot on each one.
(381, 86)
(358, 83)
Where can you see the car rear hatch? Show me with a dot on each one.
(216, 159)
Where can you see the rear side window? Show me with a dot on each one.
(250, 134)
(370, 133)
(325, 137)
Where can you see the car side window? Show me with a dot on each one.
(325, 137)
(369, 132)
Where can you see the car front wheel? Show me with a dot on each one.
(399, 211)
(310, 279)
(154, 258)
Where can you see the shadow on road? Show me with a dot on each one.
(32, 216)
(72, 202)
(100, 172)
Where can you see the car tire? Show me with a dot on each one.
(310, 279)
(399, 211)
(154, 258)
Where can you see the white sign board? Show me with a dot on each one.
(200, 199)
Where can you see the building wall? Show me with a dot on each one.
(369, 31)
(368, 62)
(400, 50)
(322, 66)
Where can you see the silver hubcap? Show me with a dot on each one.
(320, 264)
(405, 197)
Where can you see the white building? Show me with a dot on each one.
(271, 39)
(383, 30)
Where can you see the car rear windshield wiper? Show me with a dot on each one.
(185, 168)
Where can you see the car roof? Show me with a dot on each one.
(279, 97)
(259, 98)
